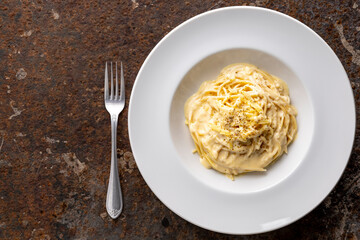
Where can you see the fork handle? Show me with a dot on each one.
(114, 202)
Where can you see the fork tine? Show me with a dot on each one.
(112, 83)
(117, 83)
(106, 84)
(122, 86)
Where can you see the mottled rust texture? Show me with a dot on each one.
(55, 131)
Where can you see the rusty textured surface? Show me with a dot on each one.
(55, 131)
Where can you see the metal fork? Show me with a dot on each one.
(114, 105)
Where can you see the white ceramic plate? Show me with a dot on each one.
(196, 51)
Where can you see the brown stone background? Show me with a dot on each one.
(55, 131)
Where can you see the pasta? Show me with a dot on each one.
(242, 121)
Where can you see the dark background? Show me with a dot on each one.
(55, 131)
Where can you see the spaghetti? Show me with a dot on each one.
(242, 121)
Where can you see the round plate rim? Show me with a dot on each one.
(130, 129)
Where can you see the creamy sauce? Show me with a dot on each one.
(242, 121)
